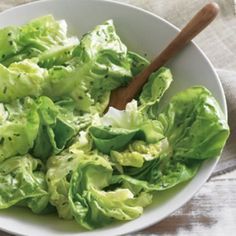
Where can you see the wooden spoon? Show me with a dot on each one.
(121, 96)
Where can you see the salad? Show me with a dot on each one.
(60, 153)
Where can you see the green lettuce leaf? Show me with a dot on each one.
(138, 63)
(100, 64)
(59, 172)
(19, 128)
(58, 54)
(154, 90)
(107, 139)
(92, 205)
(22, 182)
(194, 124)
(75, 71)
(55, 130)
(44, 37)
(133, 119)
(60, 169)
(21, 79)
(139, 151)
(156, 175)
(9, 38)
(118, 128)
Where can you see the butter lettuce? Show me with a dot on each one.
(18, 128)
(60, 152)
(194, 124)
(92, 205)
(43, 37)
(154, 90)
(139, 151)
(60, 169)
(55, 130)
(133, 119)
(156, 175)
(107, 139)
(101, 63)
(62, 67)
(39, 126)
(22, 179)
(21, 79)
(59, 172)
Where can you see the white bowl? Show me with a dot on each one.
(145, 33)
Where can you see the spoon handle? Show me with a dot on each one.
(121, 96)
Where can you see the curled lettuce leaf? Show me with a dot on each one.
(59, 172)
(19, 128)
(40, 127)
(9, 38)
(139, 151)
(92, 205)
(22, 182)
(133, 119)
(154, 90)
(118, 128)
(156, 175)
(194, 124)
(55, 129)
(43, 37)
(21, 79)
(60, 169)
(175, 173)
(60, 67)
(59, 54)
(100, 64)
(107, 139)
(138, 63)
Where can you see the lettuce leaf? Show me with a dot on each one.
(73, 70)
(99, 168)
(43, 37)
(21, 79)
(155, 175)
(154, 90)
(92, 205)
(60, 169)
(39, 126)
(139, 151)
(138, 63)
(19, 128)
(9, 38)
(194, 124)
(118, 128)
(107, 139)
(100, 64)
(55, 129)
(22, 179)
(133, 119)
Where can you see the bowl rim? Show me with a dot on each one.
(219, 84)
